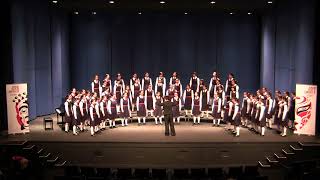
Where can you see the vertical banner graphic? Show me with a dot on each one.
(17, 108)
(305, 111)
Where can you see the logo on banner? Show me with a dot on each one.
(21, 107)
(303, 110)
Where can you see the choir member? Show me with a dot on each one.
(269, 110)
(228, 83)
(212, 84)
(119, 78)
(201, 84)
(292, 110)
(129, 94)
(118, 90)
(69, 113)
(234, 90)
(170, 92)
(94, 116)
(157, 108)
(276, 108)
(96, 85)
(204, 98)
(104, 112)
(216, 109)
(228, 112)
(244, 107)
(99, 120)
(163, 81)
(135, 89)
(88, 99)
(160, 86)
(113, 111)
(178, 87)
(194, 82)
(173, 78)
(236, 117)
(125, 109)
(177, 108)
(146, 81)
(149, 101)
(134, 79)
(76, 116)
(283, 114)
(141, 108)
(83, 105)
(196, 108)
(257, 115)
(107, 84)
(289, 103)
(262, 117)
(187, 99)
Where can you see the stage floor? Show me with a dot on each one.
(147, 146)
(151, 133)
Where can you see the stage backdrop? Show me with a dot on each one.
(154, 42)
(305, 111)
(17, 108)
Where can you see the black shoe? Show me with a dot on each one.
(139, 124)
(173, 134)
(110, 127)
(166, 134)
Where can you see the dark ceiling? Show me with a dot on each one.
(236, 6)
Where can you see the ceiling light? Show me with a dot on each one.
(212, 2)
(185, 13)
(139, 13)
(55, 2)
(111, 2)
(231, 13)
(162, 2)
(270, 2)
(249, 13)
(76, 12)
(94, 13)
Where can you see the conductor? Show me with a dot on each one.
(167, 111)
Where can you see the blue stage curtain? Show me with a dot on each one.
(165, 42)
(288, 45)
(40, 51)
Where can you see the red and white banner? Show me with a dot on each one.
(17, 108)
(305, 111)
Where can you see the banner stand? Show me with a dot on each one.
(17, 108)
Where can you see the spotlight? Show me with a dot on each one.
(249, 13)
(111, 2)
(55, 2)
(162, 2)
(76, 12)
(212, 2)
(94, 13)
(185, 13)
(270, 2)
(231, 13)
(139, 13)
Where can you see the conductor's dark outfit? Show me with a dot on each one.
(167, 112)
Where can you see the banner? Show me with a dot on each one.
(17, 108)
(305, 111)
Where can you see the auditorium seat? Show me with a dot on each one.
(88, 171)
(124, 173)
(181, 173)
(235, 172)
(216, 173)
(198, 173)
(72, 171)
(250, 171)
(103, 172)
(142, 173)
(159, 173)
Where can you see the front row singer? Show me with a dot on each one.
(168, 115)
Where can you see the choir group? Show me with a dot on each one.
(108, 101)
